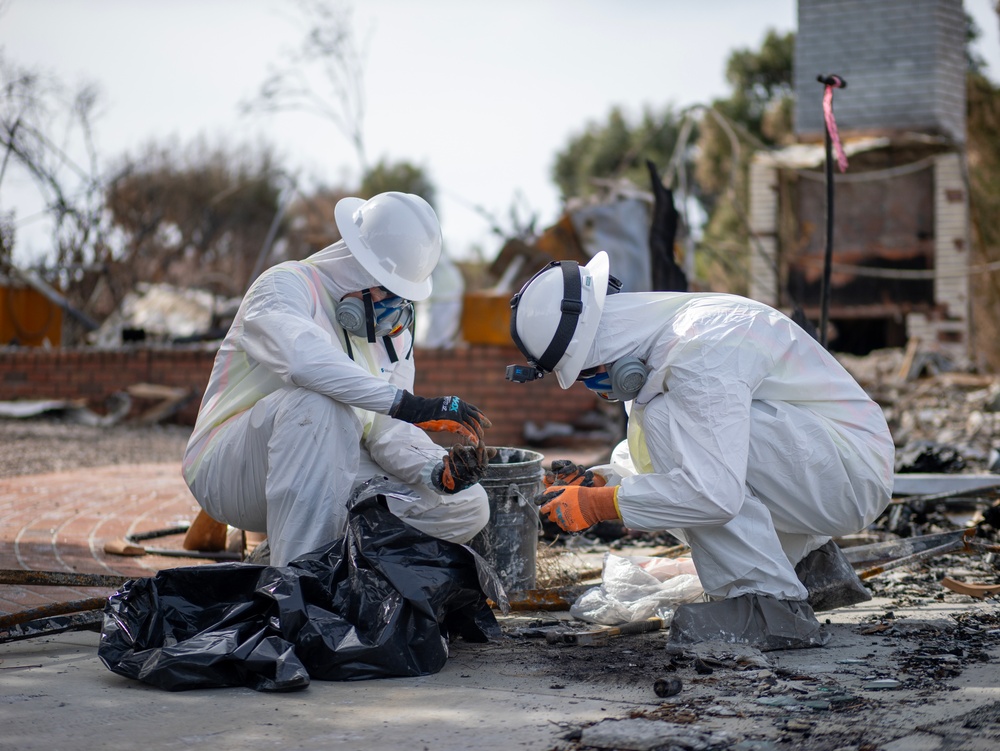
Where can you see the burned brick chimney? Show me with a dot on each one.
(900, 237)
(904, 61)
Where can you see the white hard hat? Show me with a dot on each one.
(395, 237)
(555, 315)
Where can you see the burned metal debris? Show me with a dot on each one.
(929, 652)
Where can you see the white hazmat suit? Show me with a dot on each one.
(290, 423)
(748, 437)
(439, 317)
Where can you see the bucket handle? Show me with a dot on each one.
(522, 500)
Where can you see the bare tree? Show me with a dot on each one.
(323, 75)
(47, 132)
(181, 215)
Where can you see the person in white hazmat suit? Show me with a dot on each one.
(746, 439)
(439, 317)
(311, 395)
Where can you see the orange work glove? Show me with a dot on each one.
(461, 468)
(576, 508)
(441, 413)
(565, 472)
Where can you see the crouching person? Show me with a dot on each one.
(746, 439)
(311, 393)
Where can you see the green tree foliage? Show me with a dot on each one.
(757, 114)
(761, 82)
(759, 107)
(983, 161)
(401, 176)
(614, 150)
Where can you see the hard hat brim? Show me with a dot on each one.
(343, 214)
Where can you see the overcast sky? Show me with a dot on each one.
(482, 95)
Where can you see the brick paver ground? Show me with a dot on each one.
(61, 521)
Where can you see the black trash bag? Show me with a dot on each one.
(383, 601)
(830, 579)
(929, 456)
(198, 627)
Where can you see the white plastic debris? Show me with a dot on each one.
(635, 588)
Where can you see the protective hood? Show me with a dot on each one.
(671, 332)
(340, 271)
(637, 324)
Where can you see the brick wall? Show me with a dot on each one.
(903, 60)
(476, 373)
(950, 332)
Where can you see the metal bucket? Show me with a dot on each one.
(509, 541)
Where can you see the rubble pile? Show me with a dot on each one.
(940, 421)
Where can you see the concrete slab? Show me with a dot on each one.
(519, 693)
(56, 694)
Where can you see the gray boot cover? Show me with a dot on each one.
(830, 579)
(757, 620)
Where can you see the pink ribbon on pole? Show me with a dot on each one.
(833, 82)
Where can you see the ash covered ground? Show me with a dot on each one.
(39, 445)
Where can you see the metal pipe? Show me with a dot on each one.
(829, 82)
(917, 557)
(88, 620)
(943, 495)
(60, 579)
(47, 611)
(824, 290)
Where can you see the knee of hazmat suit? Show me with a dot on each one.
(713, 362)
(285, 336)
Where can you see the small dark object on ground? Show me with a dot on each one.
(665, 687)
(701, 668)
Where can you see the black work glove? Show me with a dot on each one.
(461, 468)
(441, 413)
(565, 472)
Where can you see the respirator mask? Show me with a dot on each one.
(620, 382)
(390, 316)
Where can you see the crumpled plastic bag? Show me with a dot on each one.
(382, 601)
(636, 588)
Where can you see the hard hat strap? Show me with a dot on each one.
(366, 296)
(570, 308)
